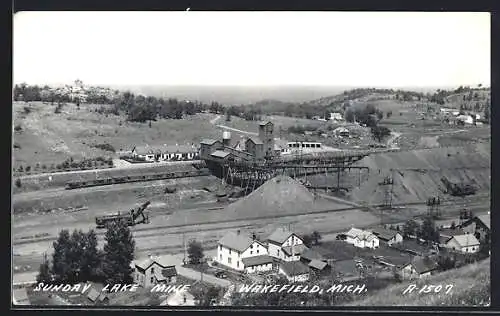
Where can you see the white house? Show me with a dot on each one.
(388, 236)
(467, 243)
(285, 245)
(155, 270)
(341, 131)
(235, 246)
(467, 119)
(362, 239)
(419, 267)
(165, 152)
(294, 271)
(336, 116)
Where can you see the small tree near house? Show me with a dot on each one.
(316, 237)
(195, 252)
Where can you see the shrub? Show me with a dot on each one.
(18, 182)
(16, 145)
(106, 147)
(44, 167)
(18, 128)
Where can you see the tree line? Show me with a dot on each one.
(77, 258)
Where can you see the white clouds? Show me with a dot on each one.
(238, 48)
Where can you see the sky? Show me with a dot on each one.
(378, 49)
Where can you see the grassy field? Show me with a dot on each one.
(48, 138)
(471, 287)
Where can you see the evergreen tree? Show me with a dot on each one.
(75, 253)
(60, 264)
(119, 253)
(91, 259)
(428, 230)
(409, 228)
(195, 252)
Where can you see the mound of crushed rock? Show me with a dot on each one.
(281, 195)
(417, 174)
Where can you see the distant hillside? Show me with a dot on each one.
(471, 287)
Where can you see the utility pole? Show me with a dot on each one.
(184, 243)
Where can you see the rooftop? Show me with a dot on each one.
(297, 249)
(424, 264)
(239, 242)
(360, 234)
(294, 268)
(466, 240)
(208, 141)
(311, 254)
(150, 149)
(316, 264)
(220, 154)
(485, 219)
(255, 140)
(257, 260)
(280, 235)
(384, 234)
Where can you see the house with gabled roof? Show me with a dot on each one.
(467, 243)
(285, 245)
(479, 226)
(235, 249)
(294, 271)
(419, 267)
(155, 270)
(362, 239)
(165, 152)
(388, 236)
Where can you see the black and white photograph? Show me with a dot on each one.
(250, 159)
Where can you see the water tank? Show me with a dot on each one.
(226, 138)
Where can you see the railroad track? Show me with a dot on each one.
(370, 208)
(142, 178)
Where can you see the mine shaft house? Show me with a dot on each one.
(155, 270)
(241, 252)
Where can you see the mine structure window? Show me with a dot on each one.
(152, 279)
(152, 270)
(220, 247)
(229, 260)
(230, 251)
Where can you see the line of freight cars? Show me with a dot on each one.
(138, 178)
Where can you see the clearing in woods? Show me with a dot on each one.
(49, 138)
